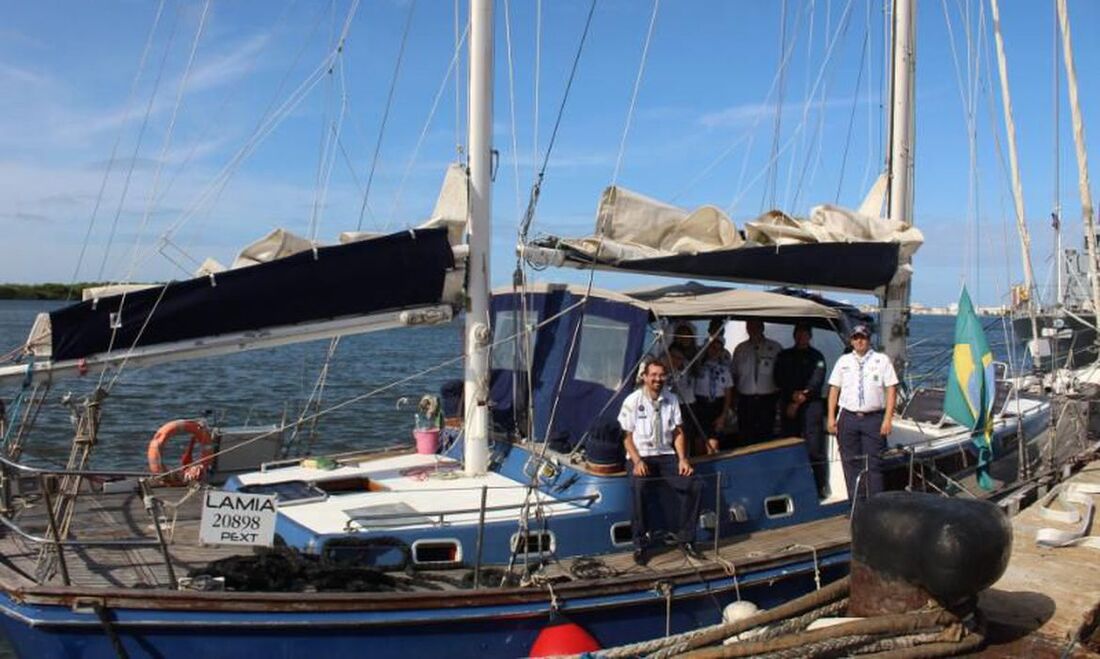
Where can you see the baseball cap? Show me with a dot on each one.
(860, 330)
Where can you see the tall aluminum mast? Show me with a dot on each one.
(895, 301)
(476, 396)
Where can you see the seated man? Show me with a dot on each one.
(657, 451)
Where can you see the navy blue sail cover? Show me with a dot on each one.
(610, 339)
(380, 274)
(862, 266)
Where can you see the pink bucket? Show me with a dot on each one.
(427, 440)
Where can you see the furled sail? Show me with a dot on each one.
(833, 248)
(281, 289)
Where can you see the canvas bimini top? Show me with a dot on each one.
(583, 346)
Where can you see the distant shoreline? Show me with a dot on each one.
(48, 291)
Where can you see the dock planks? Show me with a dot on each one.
(1047, 596)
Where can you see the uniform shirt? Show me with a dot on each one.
(683, 385)
(797, 370)
(653, 423)
(863, 381)
(713, 378)
(754, 366)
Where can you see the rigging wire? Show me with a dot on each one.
(427, 124)
(869, 161)
(114, 148)
(329, 162)
(386, 113)
(841, 31)
(634, 93)
(169, 133)
(807, 101)
(137, 147)
(829, 51)
(852, 116)
(538, 88)
(512, 103)
(218, 114)
(264, 129)
(540, 175)
(767, 199)
(749, 135)
(458, 85)
(774, 90)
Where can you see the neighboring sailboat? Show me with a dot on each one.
(1068, 345)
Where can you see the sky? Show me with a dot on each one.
(139, 138)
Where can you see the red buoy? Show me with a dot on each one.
(562, 636)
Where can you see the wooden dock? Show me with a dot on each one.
(1047, 604)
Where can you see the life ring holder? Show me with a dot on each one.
(193, 470)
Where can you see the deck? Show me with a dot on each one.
(1047, 602)
(123, 516)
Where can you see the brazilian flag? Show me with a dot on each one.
(971, 386)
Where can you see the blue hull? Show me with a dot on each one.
(504, 630)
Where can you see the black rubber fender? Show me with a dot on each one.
(953, 548)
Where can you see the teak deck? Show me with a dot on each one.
(119, 516)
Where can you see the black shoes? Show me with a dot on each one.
(641, 557)
(692, 551)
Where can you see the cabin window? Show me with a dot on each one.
(436, 552)
(621, 534)
(780, 506)
(541, 542)
(602, 351)
(507, 325)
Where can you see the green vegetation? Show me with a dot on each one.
(42, 291)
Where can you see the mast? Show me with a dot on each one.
(1017, 186)
(895, 300)
(1082, 157)
(1056, 212)
(476, 391)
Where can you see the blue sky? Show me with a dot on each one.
(703, 131)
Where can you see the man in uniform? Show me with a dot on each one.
(657, 450)
(800, 376)
(754, 383)
(863, 386)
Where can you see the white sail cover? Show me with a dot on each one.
(632, 226)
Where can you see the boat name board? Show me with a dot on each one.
(233, 518)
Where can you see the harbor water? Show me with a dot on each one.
(373, 382)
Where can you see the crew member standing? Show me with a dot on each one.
(713, 392)
(800, 376)
(863, 386)
(754, 383)
(681, 381)
(657, 450)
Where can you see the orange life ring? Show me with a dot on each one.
(193, 471)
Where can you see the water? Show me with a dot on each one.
(250, 388)
(263, 386)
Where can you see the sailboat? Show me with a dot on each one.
(1062, 334)
(473, 550)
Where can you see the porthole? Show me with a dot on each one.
(779, 506)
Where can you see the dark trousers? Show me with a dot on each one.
(756, 417)
(809, 424)
(663, 475)
(860, 437)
